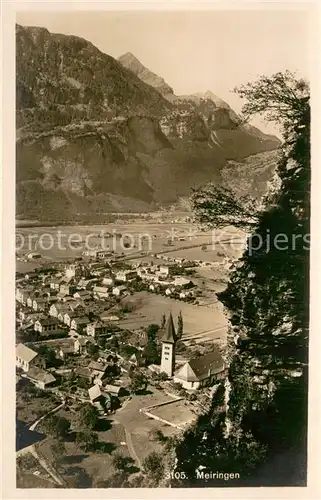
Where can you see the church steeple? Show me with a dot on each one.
(168, 347)
(169, 333)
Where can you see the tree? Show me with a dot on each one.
(153, 466)
(87, 439)
(180, 325)
(87, 416)
(113, 344)
(93, 351)
(138, 382)
(151, 351)
(92, 316)
(56, 426)
(48, 354)
(152, 331)
(163, 321)
(120, 462)
(267, 298)
(157, 435)
(217, 206)
(102, 342)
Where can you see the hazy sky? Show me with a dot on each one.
(195, 51)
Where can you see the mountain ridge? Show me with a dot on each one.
(93, 138)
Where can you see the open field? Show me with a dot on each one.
(139, 425)
(178, 413)
(53, 242)
(201, 323)
(29, 480)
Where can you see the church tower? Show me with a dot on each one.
(168, 347)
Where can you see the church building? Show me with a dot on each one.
(169, 339)
(197, 372)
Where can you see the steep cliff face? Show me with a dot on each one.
(93, 138)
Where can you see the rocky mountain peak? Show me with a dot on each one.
(213, 97)
(131, 62)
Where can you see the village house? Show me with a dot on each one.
(30, 300)
(201, 371)
(32, 316)
(58, 309)
(22, 313)
(108, 281)
(103, 254)
(126, 275)
(145, 276)
(164, 270)
(179, 260)
(32, 275)
(40, 378)
(98, 272)
(74, 305)
(27, 358)
(90, 253)
(22, 295)
(33, 255)
(55, 283)
(97, 328)
(79, 324)
(61, 314)
(101, 292)
(83, 372)
(68, 317)
(45, 292)
(115, 390)
(184, 294)
(67, 289)
(72, 271)
(83, 283)
(81, 344)
(136, 359)
(48, 325)
(100, 400)
(63, 347)
(98, 369)
(119, 290)
(94, 393)
(39, 304)
(111, 317)
(83, 295)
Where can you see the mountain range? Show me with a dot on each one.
(97, 135)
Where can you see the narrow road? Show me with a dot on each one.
(34, 425)
(48, 467)
(131, 447)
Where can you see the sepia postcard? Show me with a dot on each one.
(157, 326)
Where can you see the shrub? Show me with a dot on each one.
(153, 466)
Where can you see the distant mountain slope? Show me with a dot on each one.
(93, 138)
(129, 61)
